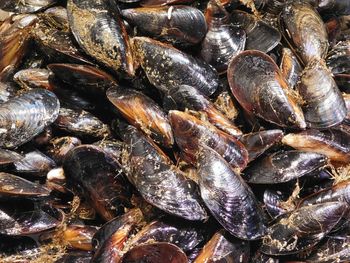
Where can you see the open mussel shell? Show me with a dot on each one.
(222, 41)
(187, 97)
(237, 211)
(142, 112)
(258, 142)
(99, 30)
(158, 181)
(304, 30)
(179, 25)
(332, 143)
(258, 85)
(25, 116)
(190, 132)
(185, 237)
(302, 229)
(12, 186)
(155, 253)
(84, 78)
(19, 222)
(100, 179)
(14, 41)
(221, 248)
(166, 66)
(260, 35)
(26, 6)
(8, 157)
(281, 167)
(323, 104)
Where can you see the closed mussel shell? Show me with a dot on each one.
(258, 85)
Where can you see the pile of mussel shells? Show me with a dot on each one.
(174, 131)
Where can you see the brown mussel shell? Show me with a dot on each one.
(221, 248)
(323, 104)
(33, 78)
(99, 30)
(99, 178)
(79, 236)
(25, 116)
(281, 167)
(302, 229)
(142, 112)
(259, 142)
(7, 157)
(179, 25)
(190, 133)
(12, 186)
(187, 97)
(158, 181)
(258, 85)
(236, 210)
(332, 143)
(166, 66)
(304, 30)
(155, 253)
(290, 67)
(59, 147)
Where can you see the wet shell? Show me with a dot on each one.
(25, 116)
(236, 210)
(258, 85)
(166, 66)
(99, 30)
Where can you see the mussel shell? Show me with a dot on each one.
(25, 116)
(84, 78)
(142, 112)
(290, 67)
(186, 238)
(334, 249)
(258, 85)
(99, 30)
(275, 203)
(34, 163)
(28, 222)
(12, 186)
(158, 180)
(7, 156)
(75, 257)
(259, 142)
(7, 90)
(190, 132)
(302, 229)
(100, 179)
(33, 78)
(304, 30)
(14, 41)
(222, 41)
(81, 123)
(79, 236)
(338, 58)
(130, 218)
(58, 45)
(281, 167)
(166, 66)
(323, 104)
(164, 2)
(221, 248)
(155, 253)
(26, 6)
(56, 17)
(332, 143)
(59, 147)
(237, 211)
(180, 25)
